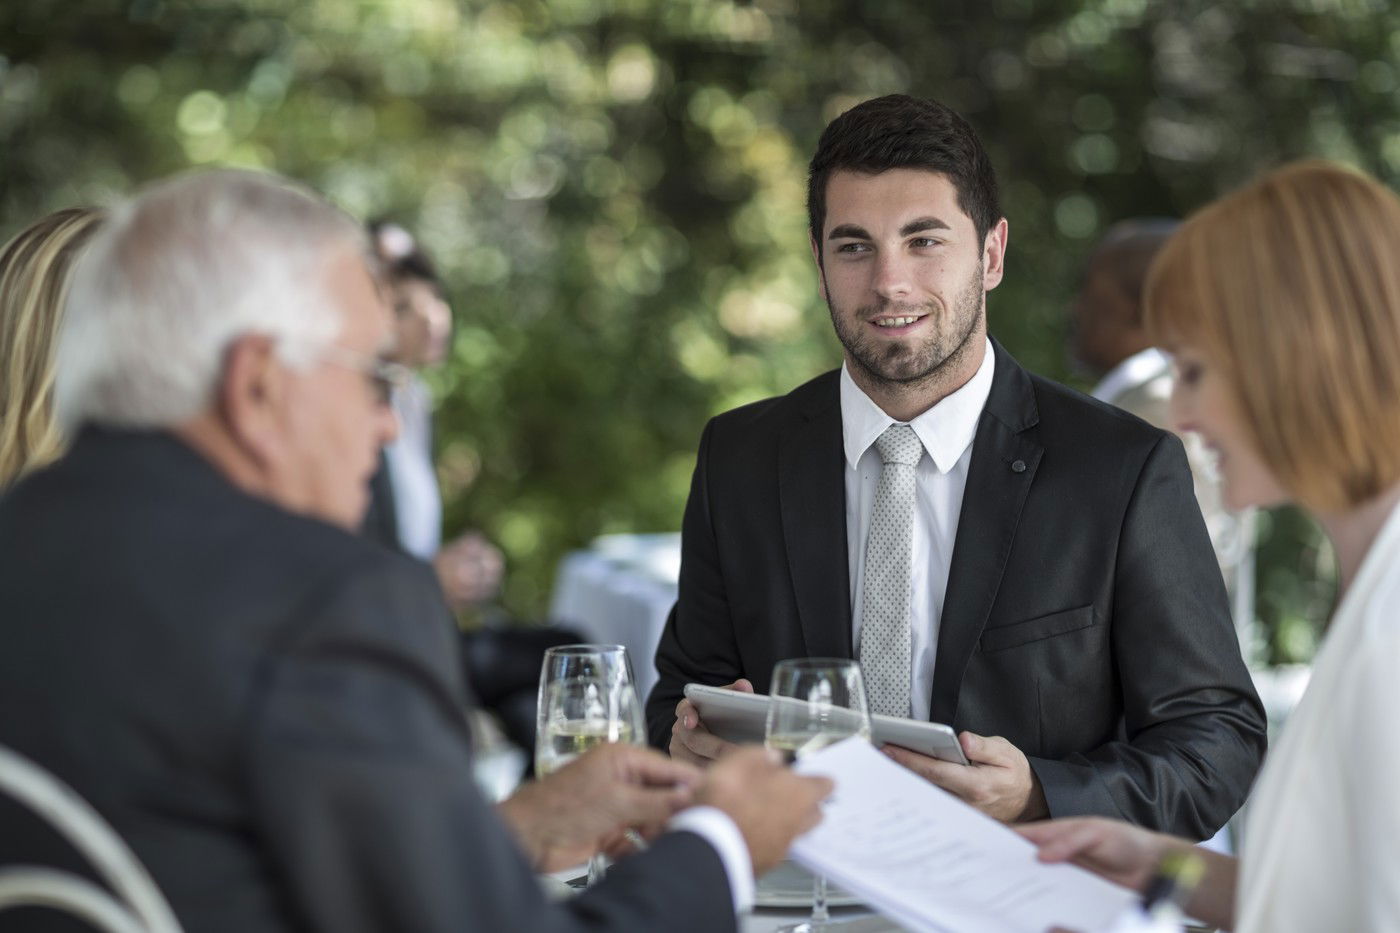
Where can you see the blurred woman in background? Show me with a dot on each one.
(501, 657)
(33, 280)
(1281, 305)
(406, 508)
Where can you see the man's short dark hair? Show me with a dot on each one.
(899, 131)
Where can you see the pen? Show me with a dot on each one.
(1172, 886)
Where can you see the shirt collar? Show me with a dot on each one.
(946, 430)
(1135, 370)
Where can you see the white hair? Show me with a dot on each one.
(179, 273)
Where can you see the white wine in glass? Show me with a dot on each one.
(816, 702)
(794, 747)
(579, 713)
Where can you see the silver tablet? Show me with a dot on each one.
(742, 717)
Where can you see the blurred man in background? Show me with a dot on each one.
(267, 707)
(1109, 341)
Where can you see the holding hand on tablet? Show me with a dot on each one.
(998, 781)
(691, 741)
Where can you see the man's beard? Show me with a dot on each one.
(906, 364)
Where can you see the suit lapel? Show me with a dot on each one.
(1005, 456)
(812, 498)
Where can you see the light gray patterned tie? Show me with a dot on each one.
(885, 640)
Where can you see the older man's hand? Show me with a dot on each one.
(771, 804)
(586, 806)
(691, 741)
(999, 781)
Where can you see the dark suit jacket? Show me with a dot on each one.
(270, 711)
(381, 521)
(1085, 618)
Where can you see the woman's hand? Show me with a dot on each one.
(1122, 853)
(1128, 855)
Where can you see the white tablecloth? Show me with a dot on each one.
(619, 592)
(851, 920)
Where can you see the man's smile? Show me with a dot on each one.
(897, 324)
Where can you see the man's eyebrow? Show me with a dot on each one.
(855, 232)
(922, 224)
(847, 232)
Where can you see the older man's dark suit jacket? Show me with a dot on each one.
(1085, 619)
(270, 711)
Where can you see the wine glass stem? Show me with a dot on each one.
(596, 869)
(819, 912)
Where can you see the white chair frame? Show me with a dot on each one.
(139, 906)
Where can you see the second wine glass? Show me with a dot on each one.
(816, 702)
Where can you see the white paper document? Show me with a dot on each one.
(930, 862)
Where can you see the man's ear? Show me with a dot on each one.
(251, 398)
(994, 256)
(821, 269)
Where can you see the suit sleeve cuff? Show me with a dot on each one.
(715, 827)
(1073, 790)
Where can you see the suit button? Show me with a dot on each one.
(1018, 466)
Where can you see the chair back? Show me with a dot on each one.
(138, 906)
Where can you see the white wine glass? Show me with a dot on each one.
(609, 668)
(816, 702)
(586, 698)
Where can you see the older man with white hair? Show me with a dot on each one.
(263, 704)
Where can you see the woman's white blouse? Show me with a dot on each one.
(1321, 850)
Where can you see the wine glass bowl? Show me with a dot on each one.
(602, 662)
(578, 713)
(815, 702)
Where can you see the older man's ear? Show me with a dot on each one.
(251, 398)
(243, 431)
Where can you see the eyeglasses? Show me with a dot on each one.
(382, 374)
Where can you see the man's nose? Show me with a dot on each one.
(893, 278)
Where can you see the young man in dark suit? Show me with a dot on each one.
(267, 707)
(1002, 554)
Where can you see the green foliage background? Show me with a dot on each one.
(614, 188)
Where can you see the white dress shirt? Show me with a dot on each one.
(946, 431)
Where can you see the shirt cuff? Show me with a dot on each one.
(715, 827)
